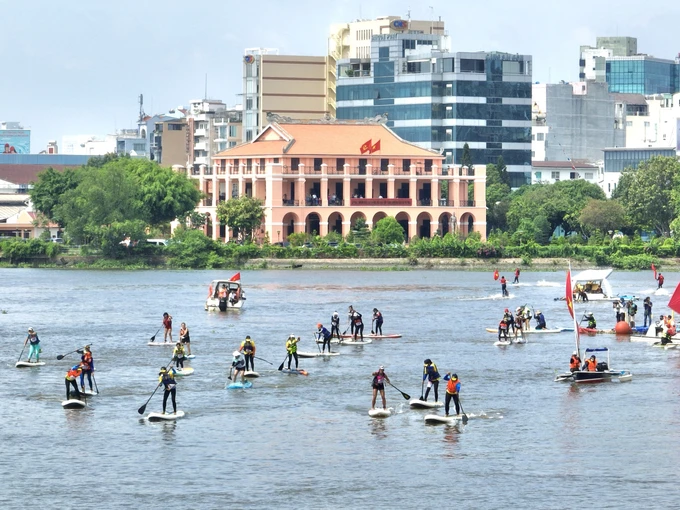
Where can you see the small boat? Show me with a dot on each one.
(594, 283)
(225, 295)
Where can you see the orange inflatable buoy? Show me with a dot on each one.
(622, 328)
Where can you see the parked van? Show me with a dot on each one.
(157, 242)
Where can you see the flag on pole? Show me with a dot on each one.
(366, 147)
(375, 147)
(495, 274)
(236, 277)
(569, 295)
(674, 303)
(654, 269)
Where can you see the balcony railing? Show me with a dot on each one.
(248, 170)
(195, 171)
(467, 203)
(426, 202)
(331, 170)
(208, 171)
(313, 202)
(379, 171)
(233, 170)
(446, 203)
(357, 170)
(380, 202)
(466, 171)
(310, 170)
(401, 171)
(288, 170)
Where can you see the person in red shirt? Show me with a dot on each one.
(504, 287)
(516, 280)
(167, 327)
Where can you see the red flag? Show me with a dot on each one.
(375, 147)
(236, 277)
(654, 269)
(674, 303)
(366, 147)
(495, 274)
(570, 295)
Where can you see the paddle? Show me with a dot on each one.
(261, 359)
(22, 352)
(465, 418)
(95, 383)
(153, 338)
(79, 351)
(422, 389)
(372, 322)
(143, 408)
(283, 362)
(405, 395)
(316, 341)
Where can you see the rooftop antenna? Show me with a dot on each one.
(206, 86)
(141, 106)
(431, 20)
(408, 15)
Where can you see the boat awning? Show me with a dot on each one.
(598, 349)
(592, 275)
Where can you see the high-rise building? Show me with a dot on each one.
(201, 132)
(593, 59)
(14, 139)
(293, 86)
(659, 126)
(442, 100)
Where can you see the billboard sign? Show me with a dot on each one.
(15, 141)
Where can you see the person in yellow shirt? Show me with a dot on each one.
(291, 348)
(248, 350)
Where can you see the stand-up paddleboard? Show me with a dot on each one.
(333, 341)
(73, 403)
(358, 342)
(183, 371)
(316, 354)
(380, 413)
(239, 385)
(436, 419)
(295, 371)
(416, 403)
(165, 417)
(665, 346)
(191, 356)
(27, 364)
(161, 344)
(250, 373)
(89, 393)
(373, 336)
(541, 331)
(502, 343)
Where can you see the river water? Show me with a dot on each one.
(307, 442)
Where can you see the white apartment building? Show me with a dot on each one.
(88, 145)
(660, 128)
(201, 129)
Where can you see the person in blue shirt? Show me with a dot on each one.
(325, 335)
(167, 379)
(540, 320)
(431, 375)
(452, 391)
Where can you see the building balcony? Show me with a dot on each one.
(380, 202)
(466, 172)
(201, 146)
(201, 160)
(195, 171)
(208, 170)
(200, 132)
(467, 203)
(288, 170)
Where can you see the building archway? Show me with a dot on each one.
(403, 220)
(424, 225)
(444, 224)
(378, 216)
(312, 224)
(355, 217)
(289, 221)
(467, 224)
(335, 223)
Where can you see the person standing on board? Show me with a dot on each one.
(335, 325)
(503, 327)
(519, 323)
(291, 348)
(34, 347)
(248, 349)
(574, 362)
(431, 374)
(358, 325)
(238, 365)
(660, 279)
(71, 377)
(504, 287)
(509, 319)
(325, 335)
(167, 379)
(648, 311)
(87, 366)
(178, 355)
(350, 319)
(452, 391)
(378, 319)
(167, 327)
(516, 280)
(379, 379)
(185, 338)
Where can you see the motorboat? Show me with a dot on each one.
(225, 295)
(594, 284)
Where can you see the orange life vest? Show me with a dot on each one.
(574, 362)
(592, 365)
(451, 386)
(73, 374)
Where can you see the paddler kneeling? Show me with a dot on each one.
(71, 377)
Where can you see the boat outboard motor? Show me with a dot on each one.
(602, 366)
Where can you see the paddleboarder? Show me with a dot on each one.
(431, 374)
(71, 377)
(503, 329)
(323, 333)
(87, 365)
(519, 323)
(574, 362)
(516, 280)
(291, 348)
(660, 279)
(238, 365)
(34, 347)
(504, 287)
(167, 379)
(248, 349)
(378, 320)
(185, 338)
(335, 325)
(350, 319)
(178, 355)
(592, 323)
(452, 392)
(540, 320)
(358, 325)
(379, 379)
(167, 327)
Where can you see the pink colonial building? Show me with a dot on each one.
(322, 176)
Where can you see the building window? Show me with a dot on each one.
(139, 147)
(589, 176)
(249, 103)
(294, 163)
(471, 65)
(232, 131)
(384, 163)
(629, 123)
(406, 164)
(555, 176)
(537, 175)
(249, 135)
(540, 137)
(573, 175)
(384, 53)
(646, 124)
(317, 164)
(340, 163)
(262, 163)
(533, 154)
(175, 127)
(428, 165)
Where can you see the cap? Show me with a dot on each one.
(428, 361)
(292, 335)
(335, 314)
(593, 357)
(382, 367)
(30, 330)
(538, 311)
(163, 369)
(236, 353)
(87, 347)
(506, 310)
(247, 337)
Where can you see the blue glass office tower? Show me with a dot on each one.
(642, 74)
(442, 100)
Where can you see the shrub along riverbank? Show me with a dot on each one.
(191, 249)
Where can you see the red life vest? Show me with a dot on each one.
(592, 365)
(574, 362)
(73, 374)
(451, 386)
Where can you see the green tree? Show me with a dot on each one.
(387, 230)
(49, 190)
(602, 215)
(244, 214)
(466, 157)
(650, 195)
(497, 195)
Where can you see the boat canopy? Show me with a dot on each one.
(592, 274)
(597, 349)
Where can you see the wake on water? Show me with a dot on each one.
(492, 297)
(544, 283)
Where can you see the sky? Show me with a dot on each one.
(78, 66)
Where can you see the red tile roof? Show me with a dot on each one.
(25, 174)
